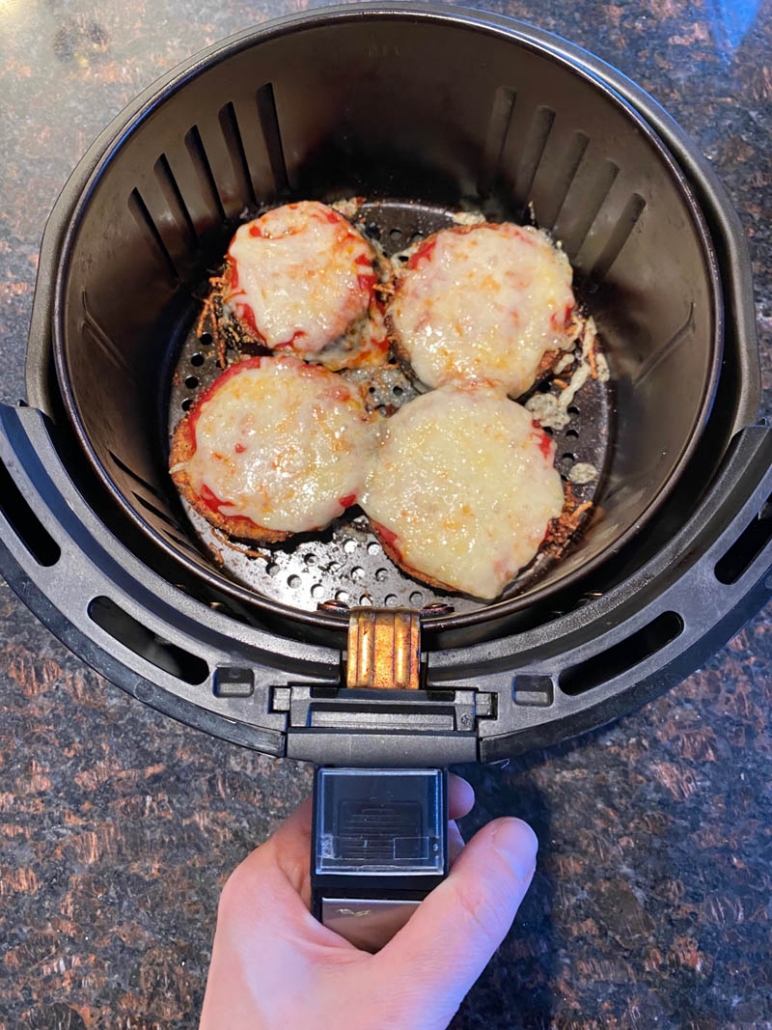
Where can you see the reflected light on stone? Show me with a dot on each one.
(731, 20)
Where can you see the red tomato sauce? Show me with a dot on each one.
(423, 253)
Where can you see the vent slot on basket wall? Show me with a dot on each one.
(154, 510)
(622, 657)
(269, 120)
(150, 232)
(747, 547)
(221, 170)
(498, 126)
(574, 153)
(200, 162)
(625, 224)
(169, 522)
(589, 209)
(25, 523)
(520, 139)
(173, 196)
(143, 642)
(135, 476)
(533, 151)
(229, 124)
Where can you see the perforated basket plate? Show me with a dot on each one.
(346, 563)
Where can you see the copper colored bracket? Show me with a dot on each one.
(384, 649)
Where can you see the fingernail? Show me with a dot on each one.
(516, 842)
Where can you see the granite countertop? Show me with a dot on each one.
(650, 907)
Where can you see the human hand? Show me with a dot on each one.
(275, 967)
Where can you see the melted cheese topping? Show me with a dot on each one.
(280, 442)
(299, 276)
(483, 303)
(465, 487)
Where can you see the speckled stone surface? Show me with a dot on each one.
(651, 905)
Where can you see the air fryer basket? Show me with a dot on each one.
(327, 110)
(494, 115)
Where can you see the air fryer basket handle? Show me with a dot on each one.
(379, 846)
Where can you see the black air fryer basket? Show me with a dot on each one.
(422, 112)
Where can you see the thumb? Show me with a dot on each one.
(449, 939)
